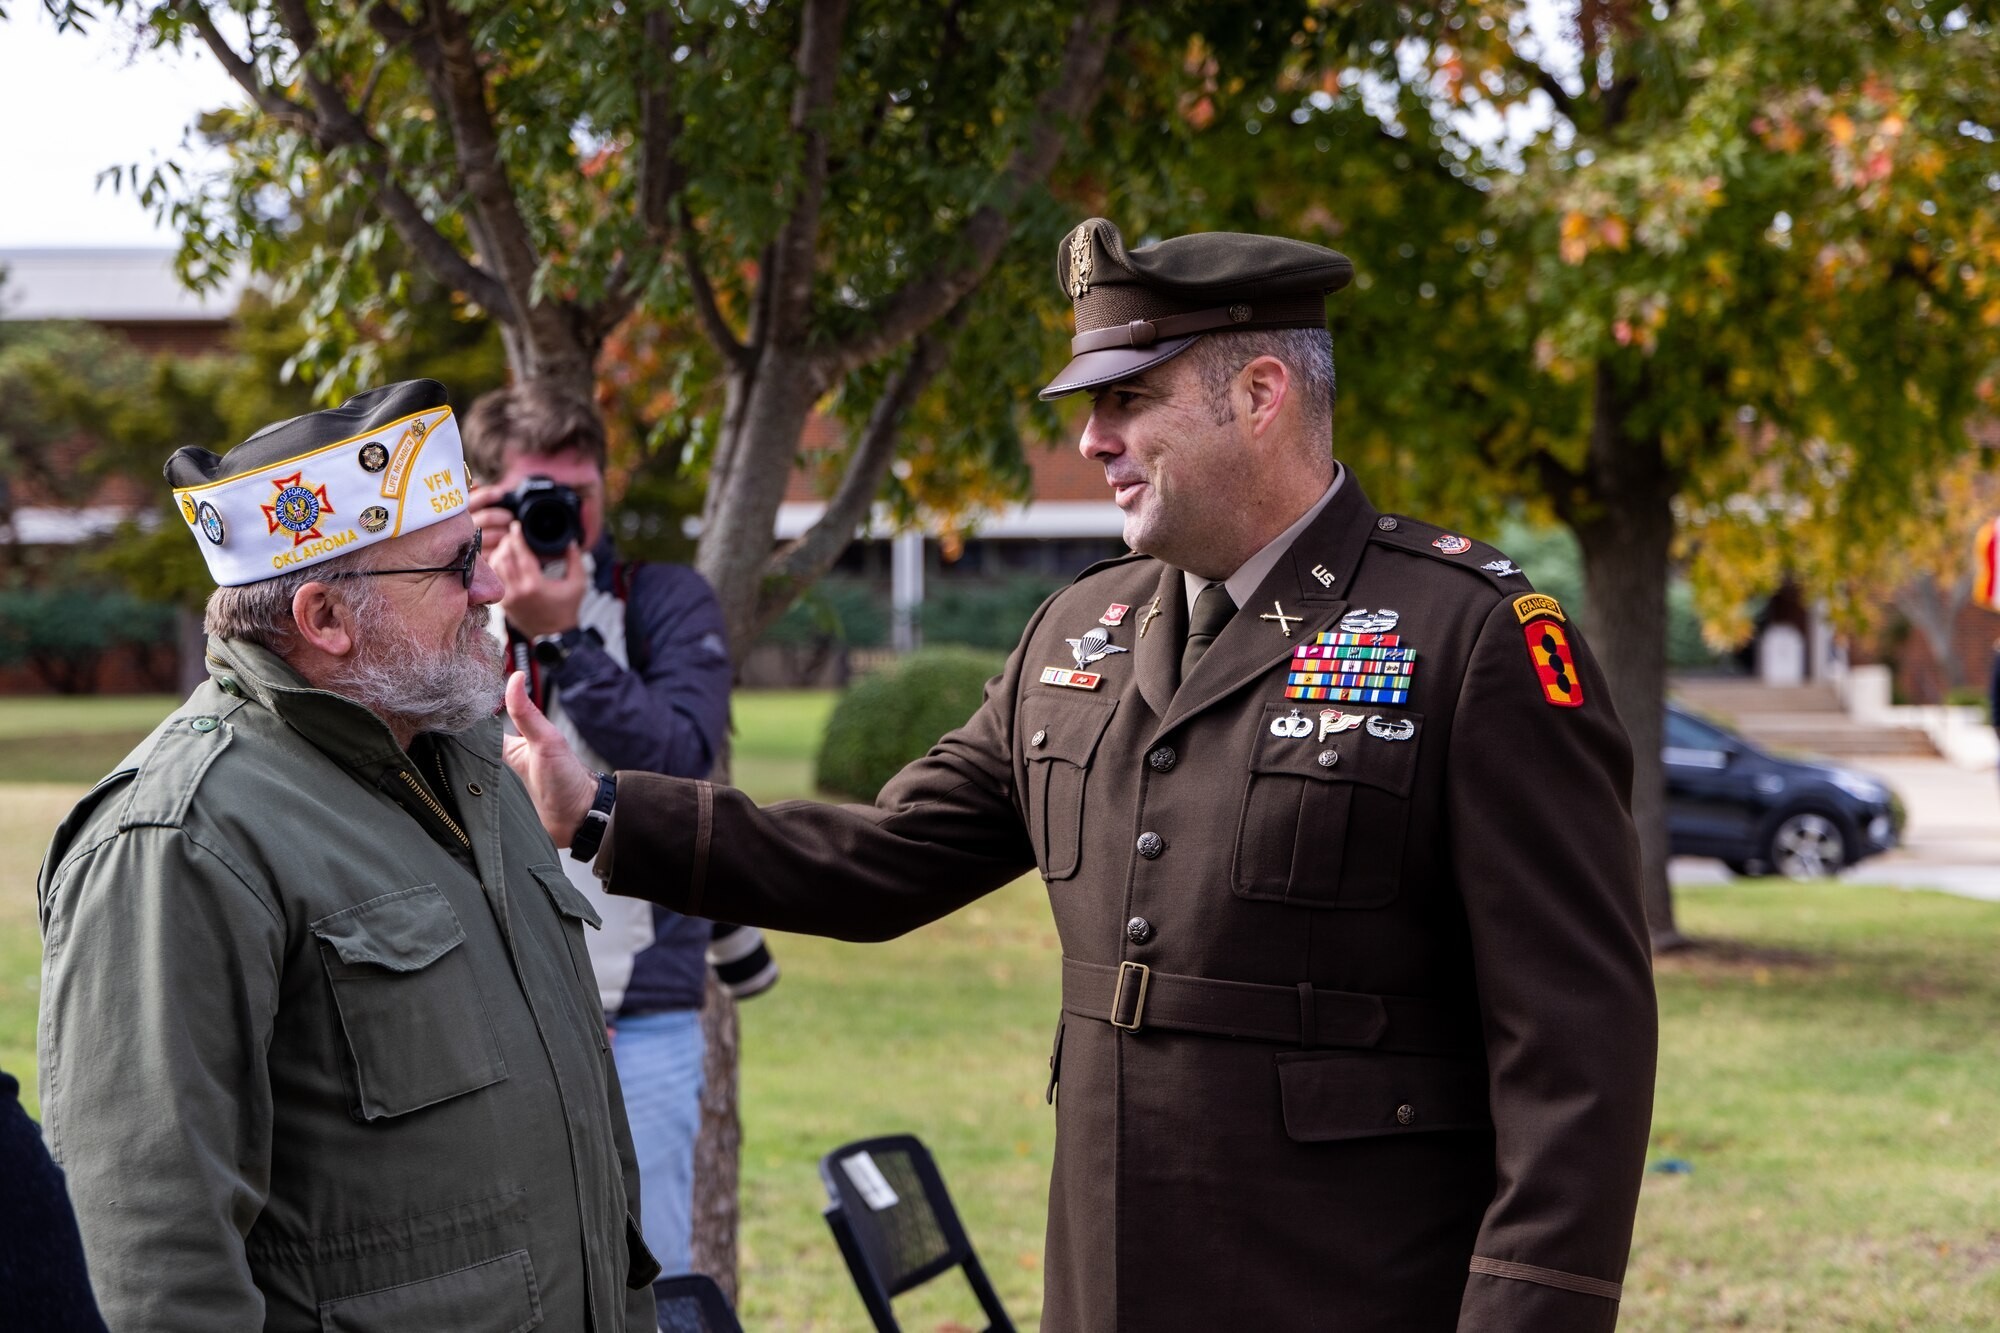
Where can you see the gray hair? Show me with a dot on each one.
(1307, 353)
(261, 612)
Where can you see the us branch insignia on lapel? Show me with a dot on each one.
(1345, 668)
(1548, 648)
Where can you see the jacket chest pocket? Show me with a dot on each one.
(1327, 806)
(1058, 736)
(409, 1001)
(575, 911)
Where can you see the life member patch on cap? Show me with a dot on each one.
(384, 463)
(1548, 649)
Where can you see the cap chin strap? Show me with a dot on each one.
(1294, 313)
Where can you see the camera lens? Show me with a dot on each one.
(551, 516)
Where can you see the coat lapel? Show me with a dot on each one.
(1310, 581)
(1157, 642)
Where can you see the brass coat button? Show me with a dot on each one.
(1040, 738)
(1163, 759)
(1328, 758)
(1406, 1114)
(1138, 930)
(1151, 845)
(1386, 523)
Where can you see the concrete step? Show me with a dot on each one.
(1738, 695)
(1838, 741)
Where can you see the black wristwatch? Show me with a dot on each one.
(583, 844)
(552, 650)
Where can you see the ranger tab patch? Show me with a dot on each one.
(1548, 648)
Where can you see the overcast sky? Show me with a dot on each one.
(73, 105)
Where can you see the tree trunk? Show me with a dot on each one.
(1624, 521)
(718, 1149)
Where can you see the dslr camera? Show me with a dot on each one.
(550, 515)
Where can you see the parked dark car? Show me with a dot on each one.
(1762, 815)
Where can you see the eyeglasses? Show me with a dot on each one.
(467, 558)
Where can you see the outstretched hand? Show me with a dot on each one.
(558, 783)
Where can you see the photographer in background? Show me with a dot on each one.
(630, 661)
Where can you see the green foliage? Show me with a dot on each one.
(61, 384)
(1554, 564)
(982, 615)
(63, 632)
(887, 719)
(835, 611)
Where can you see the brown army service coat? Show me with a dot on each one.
(1393, 1067)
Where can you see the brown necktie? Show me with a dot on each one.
(1212, 610)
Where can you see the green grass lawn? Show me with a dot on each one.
(1831, 1075)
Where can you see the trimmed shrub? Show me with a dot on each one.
(887, 719)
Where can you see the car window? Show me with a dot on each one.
(1683, 732)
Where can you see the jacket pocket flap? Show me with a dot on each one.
(569, 899)
(1303, 741)
(497, 1296)
(1062, 728)
(402, 931)
(1330, 1095)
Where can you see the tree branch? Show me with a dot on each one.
(971, 254)
(269, 100)
(660, 175)
(707, 311)
(336, 126)
(806, 559)
(795, 255)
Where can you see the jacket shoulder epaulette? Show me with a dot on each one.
(1110, 563)
(1451, 548)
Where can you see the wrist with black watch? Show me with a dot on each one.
(589, 835)
(552, 650)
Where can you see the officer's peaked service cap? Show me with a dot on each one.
(383, 463)
(1138, 308)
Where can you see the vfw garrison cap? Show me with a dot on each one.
(383, 463)
(1137, 308)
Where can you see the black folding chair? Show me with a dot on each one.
(896, 1226)
(692, 1303)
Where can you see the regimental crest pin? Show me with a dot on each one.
(1114, 614)
(1501, 568)
(1369, 622)
(1094, 644)
(1391, 729)
(1451, 544)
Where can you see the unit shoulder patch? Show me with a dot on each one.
(1555, 668)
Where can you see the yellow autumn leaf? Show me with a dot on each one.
(1841, 128)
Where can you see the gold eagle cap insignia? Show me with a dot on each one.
(1079, 261)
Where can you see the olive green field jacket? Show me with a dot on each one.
(320, 1044)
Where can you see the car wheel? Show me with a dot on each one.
(1807, 845)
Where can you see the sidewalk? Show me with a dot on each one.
(1951, 840)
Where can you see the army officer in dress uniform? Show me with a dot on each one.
(1358, 1023)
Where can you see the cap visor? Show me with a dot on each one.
(1114, 364)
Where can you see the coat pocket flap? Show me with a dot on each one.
(1062, 728)
(569, 899)
(497, 1296)
(401, 931)
(1330, 1095)
(1339, 745)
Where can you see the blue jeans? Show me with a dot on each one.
(659, 1067)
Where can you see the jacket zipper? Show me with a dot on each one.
(432, 802)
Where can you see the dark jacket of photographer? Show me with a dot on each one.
(665, 713)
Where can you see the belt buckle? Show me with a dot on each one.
(1125, 972)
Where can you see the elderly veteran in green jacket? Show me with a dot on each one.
(320, 1044)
